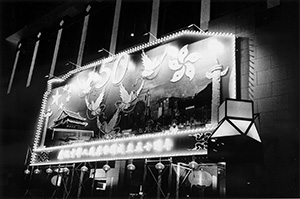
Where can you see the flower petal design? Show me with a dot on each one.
(183, 53)
(193, 57)
(174, 64)
(178, 74)
(190, 70)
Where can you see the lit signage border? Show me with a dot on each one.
(164, 144)
(67, 153)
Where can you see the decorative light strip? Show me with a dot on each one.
(143, 46)
(164, 144)
(170, 154)
(131, 138)
(139, 147)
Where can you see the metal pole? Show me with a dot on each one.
(93, 183)
(33, 60)
(154, 20)
(83, 36)
(158, 184)
(14, 69)
(144, 179)
(170, 176)
(114, 34)
(51, 73)
(80, 184)
(177, 180)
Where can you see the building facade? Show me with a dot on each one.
(86, 36)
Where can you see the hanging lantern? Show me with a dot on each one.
(131, 167)
(49, 170)
(159, 166)
(66, 169)
(84, 168)
(193, 164)
(37, 171)
(27, 171)
(201, 177)
(106, 167)
(56, 180)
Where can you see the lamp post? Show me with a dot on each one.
(83, 169)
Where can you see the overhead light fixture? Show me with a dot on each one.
(149, 33)
(195, 26)
(236, 118)
(236, 132)
(49, 170)
(27, 171)
(103, 49)
(37, 171)
(106, 167)
(84, 168)
(131, 166)
(159, 166)
(193, 164)
(66, 169)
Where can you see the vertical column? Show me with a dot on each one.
(80, 184)
(51, 73)
(205, 14)
(177, 180)
(158, 184)
(170, 178)
(83, 37)
(142, 191)
(154, 20)
(33, 60)
(215, 74)
(112, 49)
(114, 34)
(14, 69)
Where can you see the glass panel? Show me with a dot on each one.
(241, 124)
(225, 129)
(222, 111)
(253, 133)
(239, 109)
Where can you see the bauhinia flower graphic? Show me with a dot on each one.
(184, 64)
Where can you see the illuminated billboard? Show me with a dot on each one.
(153, 100)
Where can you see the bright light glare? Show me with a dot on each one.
(215, 46)
(172, 51)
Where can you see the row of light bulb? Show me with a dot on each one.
(65, 169)
(130, 167)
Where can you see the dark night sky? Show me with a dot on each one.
(18, 110)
